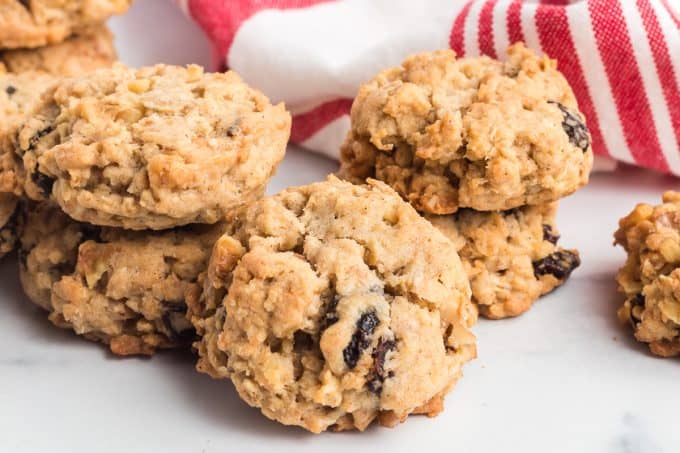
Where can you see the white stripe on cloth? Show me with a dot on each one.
(529, 28)
(330, 137)
(652, 85)
(500, 28)
(326, 51)
(598, 84)
(471, 29)
(672, 35)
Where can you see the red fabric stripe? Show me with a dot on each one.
(485, 32)
(457, 37)
(672, 12)
(514, 22)
(623, 73)
(555, 2)
(221, 19)
(664, 65)
(556, 40)
(308, 124)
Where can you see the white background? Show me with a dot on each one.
(565, 377)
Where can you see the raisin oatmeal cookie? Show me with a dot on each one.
(511, 257)
(448, 133)
(25, 74)
(155, 147)
(35, 23)
(123, 288)
(8, 204)
(19, 93)
(650, 278)
(88, 50)
(334, 304)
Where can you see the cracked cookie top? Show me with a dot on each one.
(123, 288)
(650, 278)
(331, 305)
(36, 23)
(156, 147)
(448, 133)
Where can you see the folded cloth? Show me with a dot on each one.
(622, 58)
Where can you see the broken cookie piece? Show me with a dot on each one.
(650, 278)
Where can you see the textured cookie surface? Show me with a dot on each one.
(470, 132)
(511, 257)
(34, 23)
(8, 205)
(123, 288)
(156, 147)
(343, 306)
(84, 52)
(19, 93)
(25, 74)
(650, 278)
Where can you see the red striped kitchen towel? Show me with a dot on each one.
(622, 57)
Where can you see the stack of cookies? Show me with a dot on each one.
(483, 149)
(41, 41)
(128, 177)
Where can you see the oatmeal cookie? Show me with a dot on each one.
(331, 305)
(650, 278)
(81, 53)
(122, 288)
(155, 147)
(19, 93)
(8, 204)
(449, 133)
(35, 23)
(511, 257)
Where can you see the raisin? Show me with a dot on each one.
(10, 90)
(559, 264)
(43, 182)
(103, 283)
(636, 301)
(233, 131)
(549, 235)
(302, 341)
(38, 135)
(330, 317)
(361, 339)
(26, 4)
(574, 127)
(378, 374)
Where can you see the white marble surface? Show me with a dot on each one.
(565, 377)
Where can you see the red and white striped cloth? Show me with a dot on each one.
(622, 57)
